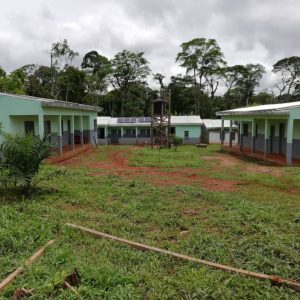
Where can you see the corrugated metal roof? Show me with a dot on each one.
(185, 120)
(216, 123)
(175, 120)
(280, 108)
(55, 103)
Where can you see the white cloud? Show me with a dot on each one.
(248, 31)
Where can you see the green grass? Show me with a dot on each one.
(256, 227)
(183, 156)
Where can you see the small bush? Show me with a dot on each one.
(20, 159)
(176, 141)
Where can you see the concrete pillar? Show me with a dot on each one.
(59, 135)
(230, 133)
(136, 135)
(241, 135)
(222, 132)
(90, 130)
(105, 134)
(238, 134)
(122, 132)
(41, 125)
(72, 132)
(267, 137)
(253, 136)
(81, 130)
(289, 141)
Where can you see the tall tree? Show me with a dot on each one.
(213, 77)
(38, 80)
(231, 76)
(61, 57)
(160, 79)
(199, 57)
(251, 76)
(182, 94)
(97, 68)
(128, 68)
(2, 78)
(72, 84)
(288, 70)
(12, 83)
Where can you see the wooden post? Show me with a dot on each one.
(11, 277)
(293, 284)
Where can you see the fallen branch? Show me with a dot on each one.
(275, 279)
(71, 288)
(21, 293)
(73, 280)
(11, 277)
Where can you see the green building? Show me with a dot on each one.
(136, 130)
(270, 129)
(68, 123)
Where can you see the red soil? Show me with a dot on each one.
(69, 153)
(117, 164)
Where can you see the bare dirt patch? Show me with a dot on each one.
(229, 161)
(117, 164)
(224, 161)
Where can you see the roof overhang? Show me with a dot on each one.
(253, 113)
(72, 105)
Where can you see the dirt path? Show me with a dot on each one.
(118, 164)
(228, 161)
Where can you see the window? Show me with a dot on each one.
(29, 127)
(245, 129)
(129, 132)
(256, 130)
(62, 126)
(144, 132)
(173, 130)
(186, 135)
(101, 133)
(47, 127)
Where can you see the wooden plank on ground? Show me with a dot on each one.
(275, 279)
(11, 277)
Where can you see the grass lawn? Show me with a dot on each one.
(199, 202)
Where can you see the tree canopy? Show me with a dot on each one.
(121, 84)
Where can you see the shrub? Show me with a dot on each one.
(21, 157)
(176, 141)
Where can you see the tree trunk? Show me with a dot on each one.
(195, 92)
(68, 87)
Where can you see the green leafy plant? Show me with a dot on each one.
(176, 141)
(21, 157)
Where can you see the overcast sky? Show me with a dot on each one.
(248, 31)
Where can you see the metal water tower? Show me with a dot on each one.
(161, 120)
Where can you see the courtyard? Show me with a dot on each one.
(202, 202)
